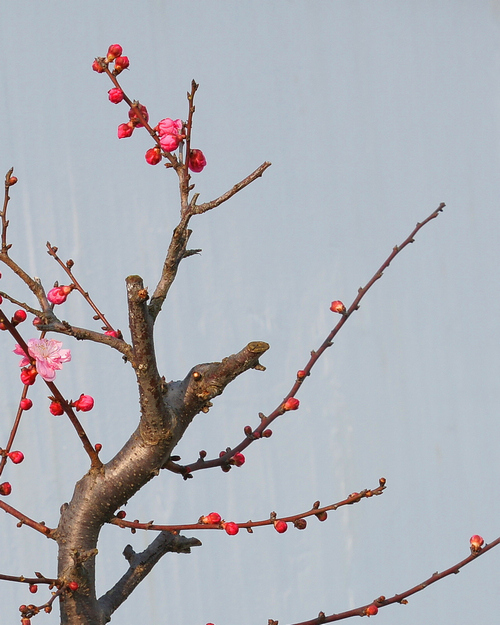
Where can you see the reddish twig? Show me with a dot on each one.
(255, 434)
(382, 602)
(67, 266)
(315, 510)
(25, 520)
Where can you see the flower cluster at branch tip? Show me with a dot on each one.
(197, 161)
(84, 403)
(59, 294)
(338, 307)
(291, 404)
(48, 357)
(114, 54)
(5, 489)
(476, 542)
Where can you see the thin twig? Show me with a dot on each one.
(248, 525)
(382, 602)
(200, 464)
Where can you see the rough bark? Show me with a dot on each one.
(166, 411)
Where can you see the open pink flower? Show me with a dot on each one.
(48, 356)
(170, 135)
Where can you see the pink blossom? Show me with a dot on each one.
(197, 161)
(48, 356)
(84, 403)
(58, 294)
(169, 131)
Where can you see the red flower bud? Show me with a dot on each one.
(56, 409)
(213, 518)
(322, 516)
(19, 316)
(231, 528)
(121, 514)
(28, 375)
(115, 95)
(114, 50)
(84, 403)
(238, 459)
(58, 294)
(12, 182)
(16, 456)
(301, 374)
(197, 161)
(280, 526)
(112, 333)
(337, 307)
(97, 67)
(121, 63)
(33, 588)
(300, 524)
(153, 156)
(125, 130)
(371, 610)
(98, 447)
(291, 404)
(26, 403)
(5, 489)
(267, 433)
(476, 542)
(73, 586)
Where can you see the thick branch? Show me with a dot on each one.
(140, 566)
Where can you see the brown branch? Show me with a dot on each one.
(382, 602)
(248, 525)
(256, 434)
(25, 520)
(52, 251)
(203, 208)
(39, 579)
(140, 566)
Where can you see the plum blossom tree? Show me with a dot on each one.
(165, 409)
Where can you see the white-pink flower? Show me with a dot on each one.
(48, 356)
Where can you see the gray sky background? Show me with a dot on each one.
(372, 113)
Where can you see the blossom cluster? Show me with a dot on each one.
(170, 133)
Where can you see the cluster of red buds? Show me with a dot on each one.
(83, 403)
(170, 133)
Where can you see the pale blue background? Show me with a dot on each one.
(372, 112)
